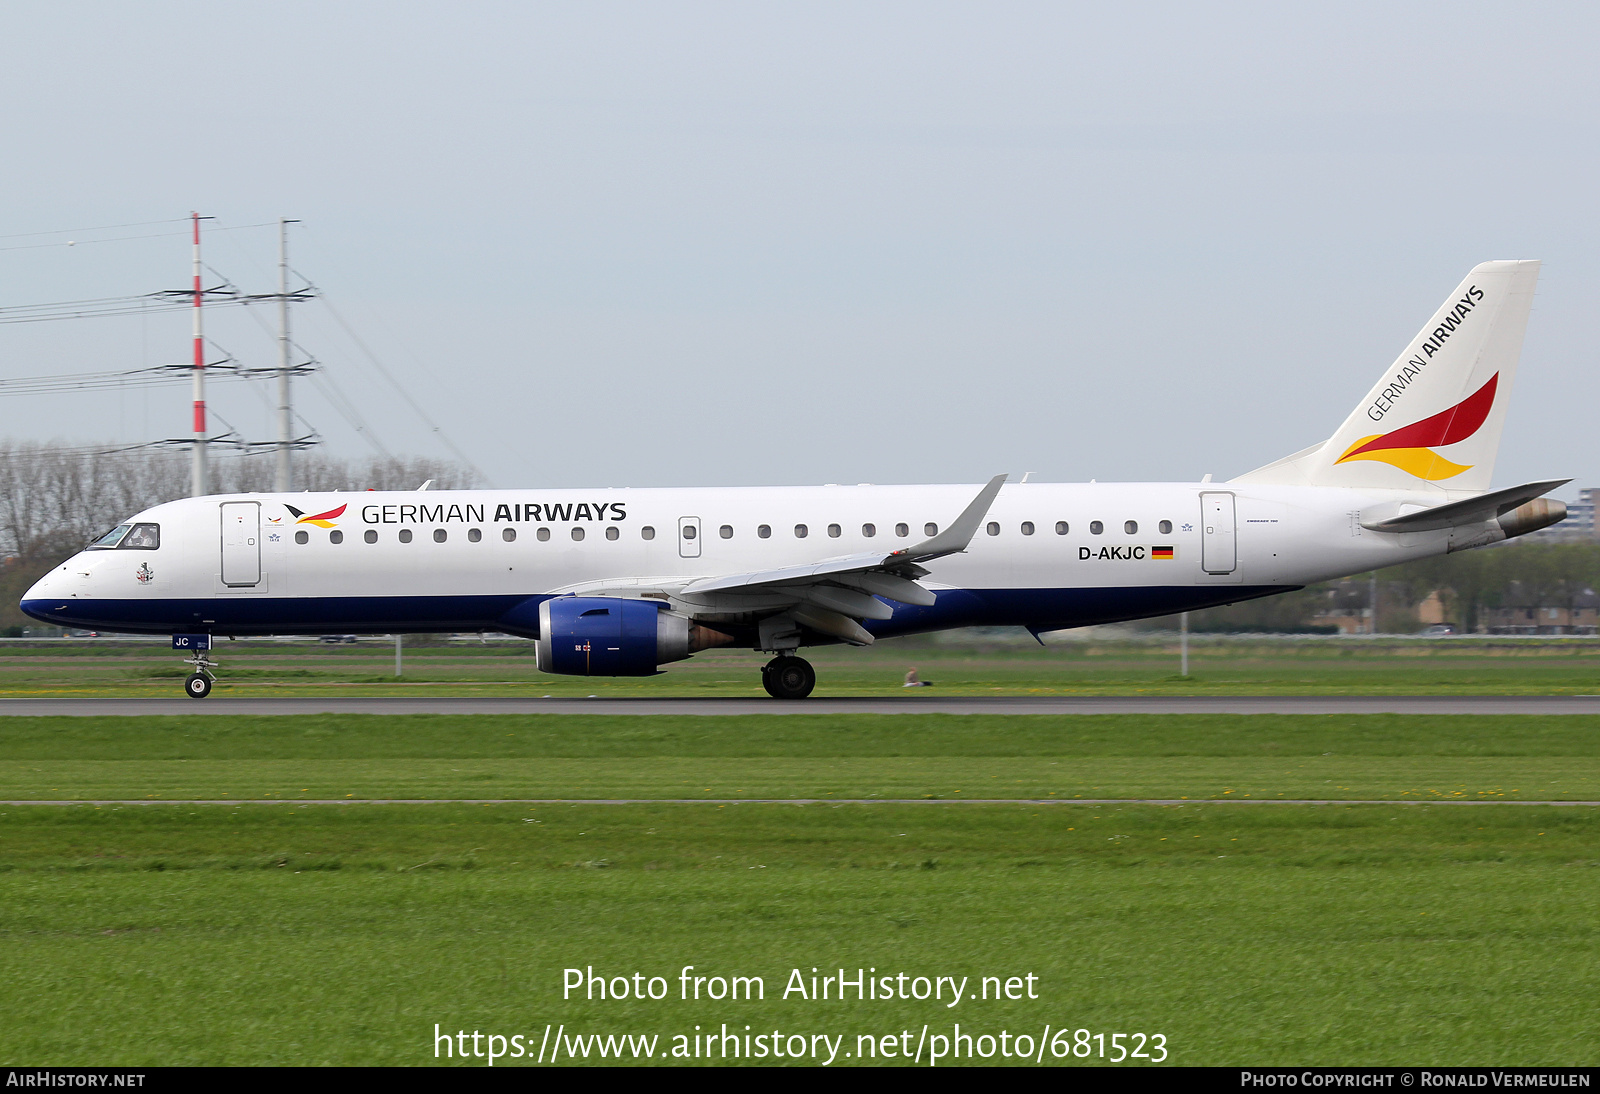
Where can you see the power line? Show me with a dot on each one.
(101, 228)
(347, 410)
(164, 301)
(195, 299)
(154, 376)
(111, 239)
(404, 394)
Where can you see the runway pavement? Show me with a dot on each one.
(1030, 802)
(950, 704)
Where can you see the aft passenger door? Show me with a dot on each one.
(241, 543)
(689, 537)
(1219, 551)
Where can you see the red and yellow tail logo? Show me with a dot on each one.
(321, 520)
(1409, 447)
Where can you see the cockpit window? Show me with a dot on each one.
(110, 539)
(144, 537)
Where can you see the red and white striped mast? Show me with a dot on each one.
(197, 474)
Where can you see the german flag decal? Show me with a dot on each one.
(1161, 552)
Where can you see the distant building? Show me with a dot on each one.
(1531, 614)
(1580, 514)
(1346, 608)
(1345, 605)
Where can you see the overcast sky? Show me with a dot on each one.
(683, 244)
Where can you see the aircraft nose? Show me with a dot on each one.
(48, 585)
(50, 597)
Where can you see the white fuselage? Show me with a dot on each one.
(358, 572)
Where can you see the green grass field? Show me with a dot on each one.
(327, 934)
(1313, 666)
(281, 932)
(934, 756)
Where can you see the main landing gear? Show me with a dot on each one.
(788, 677)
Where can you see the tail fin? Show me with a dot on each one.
(1434, 418)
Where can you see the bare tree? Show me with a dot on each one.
(54, 498)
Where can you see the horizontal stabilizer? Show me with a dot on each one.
(1455, 514)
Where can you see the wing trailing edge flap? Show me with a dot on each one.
(832, 623)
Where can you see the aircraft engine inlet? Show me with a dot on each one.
(613, 636)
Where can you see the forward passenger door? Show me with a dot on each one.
(241, 543)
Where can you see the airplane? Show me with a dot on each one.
(619, 582)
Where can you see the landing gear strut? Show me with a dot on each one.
(198, 683)
(788, 677)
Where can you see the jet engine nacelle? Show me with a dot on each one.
(612, 636)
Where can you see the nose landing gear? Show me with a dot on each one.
(788, 677)
(197, 685)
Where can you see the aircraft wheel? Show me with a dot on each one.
(789, 677)
(197, 686)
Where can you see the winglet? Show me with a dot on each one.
(955, 538)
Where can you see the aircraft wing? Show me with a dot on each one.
(901, 563)
(831, 595)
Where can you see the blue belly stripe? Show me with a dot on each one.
(1041, 609)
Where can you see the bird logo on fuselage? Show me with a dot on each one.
(321, 520)
(1410, 448)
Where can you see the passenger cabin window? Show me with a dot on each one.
(577, 534)
(370, 536)
(612, 532)
(508, 534)
(110, 539)
(336, 536)
(1095, 528)
(647, 532)
(930, 529)
(305, 537)
(440, 535)
(1027, 527)
(689, 531)
(405, 535)
(542, 535)
(993, 528)
(801, 531)
(1166, 527)
(902, 530)
(474, 535)
(1131, 527)
(834, 531)
(143, 537)
(869, 530)
(764, 531)
(1061, 528)
(726, 531)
